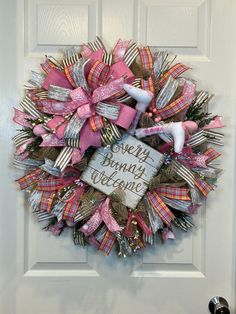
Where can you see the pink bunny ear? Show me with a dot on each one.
(191, 126)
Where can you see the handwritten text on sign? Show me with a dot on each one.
(129, 165)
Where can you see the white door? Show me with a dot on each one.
(41, 274)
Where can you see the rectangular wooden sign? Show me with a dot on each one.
(129, 164)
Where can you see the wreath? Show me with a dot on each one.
(116, 146)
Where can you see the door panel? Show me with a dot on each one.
(43, 274)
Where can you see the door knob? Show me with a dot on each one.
(219, 305)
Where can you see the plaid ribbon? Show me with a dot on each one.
(46, 201)
(107, 242)
(51, 184)
(160, 207)
(73, 203)
(68, 70)
(173, 192)
(29, 179)
(148, 84)
(20, 138)
(212, 154)
(203, 186)
(173, 108)
(146, 59)
(98, 74)
(96, 123)
(70, 210)
(175, 71)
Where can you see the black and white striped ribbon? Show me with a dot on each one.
(71, 137)
(28, 105)
(42, 94)
(110, 134)
(71, 56)
(205, 136)
(84, 212)
(148, 238)
(20, 138)
(71, 60)
(183, 172)
(131, 54)
(42, 215)
(97, 44)
(64, 158)
(86, 209)
(26, 164)
(214, 137)
(72, 131)
(126, 97)
(196, 139)
(202, 99)
(107, 58)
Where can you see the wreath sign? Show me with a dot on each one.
(114, 146)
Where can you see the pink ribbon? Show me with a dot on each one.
(214, 124)
(85, 103)
(120, 49)
(101, 93)
(22, 118)
(58, 107)
(56, 77)
(102, 214)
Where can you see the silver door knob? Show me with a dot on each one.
(219, 305)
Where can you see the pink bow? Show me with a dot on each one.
(86, 102)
